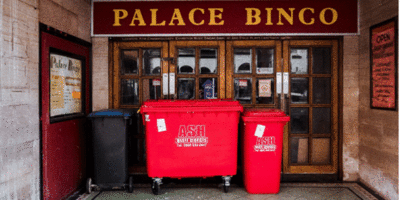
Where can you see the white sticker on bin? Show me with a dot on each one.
(147, 118)
(259, 130)
(161, 125)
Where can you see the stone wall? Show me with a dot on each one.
(378, 129)
(100, 73)
(19, 85)
(19, 100)
(350, 92)
(72, 16)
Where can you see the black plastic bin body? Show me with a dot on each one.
(110, 147)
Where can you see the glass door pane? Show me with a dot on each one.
(199, 69)
(251, 69)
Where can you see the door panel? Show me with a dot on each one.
(198, 69)
(137, 72)
(63, 141)
(251, 72)
(310, 140)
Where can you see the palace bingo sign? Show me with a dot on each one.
(224, 18)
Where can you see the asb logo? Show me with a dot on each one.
(264, 144)
(191, 136)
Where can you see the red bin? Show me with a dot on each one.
(262, 149)
(191, 138)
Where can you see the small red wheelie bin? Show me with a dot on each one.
(262, 137)
(191, 138)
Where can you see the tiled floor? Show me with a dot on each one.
(298, 191)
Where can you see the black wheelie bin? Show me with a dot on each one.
(110, 131)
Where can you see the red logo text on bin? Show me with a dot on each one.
(191, 136)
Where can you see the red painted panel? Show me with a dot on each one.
(225, 17)
(63, 143)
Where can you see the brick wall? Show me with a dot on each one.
(378, 129)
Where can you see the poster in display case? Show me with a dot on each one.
(383, 55)
(66, 85)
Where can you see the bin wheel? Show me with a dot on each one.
(89, 186)
(226, 188)
(155, 187)
(130, 186)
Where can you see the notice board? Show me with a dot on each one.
(383, 43)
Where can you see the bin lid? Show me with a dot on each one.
(126, 113)
(263, 112)
(191, 105)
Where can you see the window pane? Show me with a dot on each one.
(208, 88)
(208, 61)
(151, 89)
(299, 120)
(129, 61)
(321, 60)
(151, 61)
(299, 90)
(299, 150)
(265, 61)
(242, 61)
(321, 120)
(186, 88)
(299, 61)
(321, 90)
(321, 151)
(186, 60)
(265, 91)
(129, 92)
(243, 90)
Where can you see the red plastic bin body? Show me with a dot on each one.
(262, 149)
(191, 138)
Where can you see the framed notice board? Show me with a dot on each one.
(384, 66)
(66, 85)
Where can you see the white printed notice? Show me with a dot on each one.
(259, 130)
(264, 88)
(161, 125)
(172, 83)
(65, 85)
(285, 82)
(165, 83)
(278, 82)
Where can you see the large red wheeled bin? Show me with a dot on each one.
(262, 137)
(191, 138)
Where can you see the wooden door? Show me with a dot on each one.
(301, 77)
(311, 139)
(65, 102)
(136, 76)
